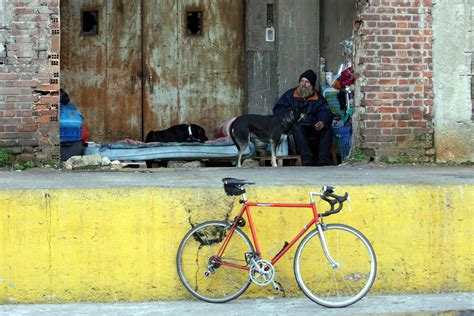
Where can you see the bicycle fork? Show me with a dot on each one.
(333, 262)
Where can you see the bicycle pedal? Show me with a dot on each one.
(277, 286)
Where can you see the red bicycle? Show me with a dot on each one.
(334, 265)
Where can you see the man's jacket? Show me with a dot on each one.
(315, 107)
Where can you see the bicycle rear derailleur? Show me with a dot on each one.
(212, 265)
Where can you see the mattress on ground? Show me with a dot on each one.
(150, 151)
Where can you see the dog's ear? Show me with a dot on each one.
(291, 109)
(304, 109)
(300, 112)
(297, 110)
(202, 135)
(199, 132)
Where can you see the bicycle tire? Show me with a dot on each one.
(197, 247)
(341, 286)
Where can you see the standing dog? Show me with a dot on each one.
(182, 133)
(270, 129)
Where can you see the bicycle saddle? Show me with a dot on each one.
(233, 181)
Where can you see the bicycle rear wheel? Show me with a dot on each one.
(343, 285)
(206, 280)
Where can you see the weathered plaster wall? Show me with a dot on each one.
(298, 40)
(66, 245)
(454, 133)
(337, 17)
(260, 58)
(274, 67)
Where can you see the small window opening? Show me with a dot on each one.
(269, 14)
(194, 23)
(90, 22)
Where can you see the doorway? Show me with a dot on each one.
(140, 65)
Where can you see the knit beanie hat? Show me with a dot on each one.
(311, 76)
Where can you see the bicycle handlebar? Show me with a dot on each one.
(329, 196)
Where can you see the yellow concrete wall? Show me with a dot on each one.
(119, 244)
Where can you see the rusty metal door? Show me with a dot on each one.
(101, 65)
(143, 67)
(194, 59)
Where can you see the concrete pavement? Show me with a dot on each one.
(421, 304)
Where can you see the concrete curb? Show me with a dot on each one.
(118, 243)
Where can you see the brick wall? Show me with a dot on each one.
(29, 79)
(394, 63)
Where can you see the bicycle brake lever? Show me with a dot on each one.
(327, 189)
(349, 203)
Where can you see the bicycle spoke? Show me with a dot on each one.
(195, 258)
(341, 286)
(207, 256)
(224, 279)
(202, 276)
(348, 284)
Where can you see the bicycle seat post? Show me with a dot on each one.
(244, 197)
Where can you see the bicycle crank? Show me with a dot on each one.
(261, 272)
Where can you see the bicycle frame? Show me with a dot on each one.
(246, 209)
(216, 266)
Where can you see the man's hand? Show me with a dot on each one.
(319, 126)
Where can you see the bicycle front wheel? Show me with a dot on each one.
(335, 286)
(196, 259)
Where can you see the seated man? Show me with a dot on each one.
(316, 124)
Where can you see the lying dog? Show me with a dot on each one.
(267, 128)
(182, 133)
